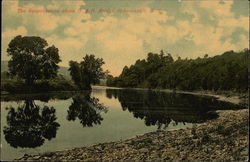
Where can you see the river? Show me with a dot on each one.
(32, 124)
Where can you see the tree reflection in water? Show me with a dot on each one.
(27, 126)
(87, 109)
(160, 108)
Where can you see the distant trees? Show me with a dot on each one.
(32, 59)
(87, 72)
(224, 72)
(143, 73)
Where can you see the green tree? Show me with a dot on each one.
(87, 72)
(145, 72)
(32, 59)
(75, 72)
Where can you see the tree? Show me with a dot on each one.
(75, 72)
(87, 72)
(32, 59)
(145, 72)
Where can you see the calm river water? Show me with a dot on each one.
(32, 124)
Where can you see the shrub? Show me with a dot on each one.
(15, 86)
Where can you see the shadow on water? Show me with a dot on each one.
(160, 108)
(87, 109)
(29, 125)
(44, 97)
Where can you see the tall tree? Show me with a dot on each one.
(32, 59)
(87, 72)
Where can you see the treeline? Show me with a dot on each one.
(227, 71)
(33, 67)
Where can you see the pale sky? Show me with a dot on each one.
(122, 31)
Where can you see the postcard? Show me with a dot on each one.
(124, 80)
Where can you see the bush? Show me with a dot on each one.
(15, 86)
(12, 86)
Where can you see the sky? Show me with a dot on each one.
(122, 31)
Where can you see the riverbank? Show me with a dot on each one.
(39, 86)
(224, 138)
(13, 88)
(226, 96)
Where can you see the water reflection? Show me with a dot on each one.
(160, 108)
(44, 97)
(29, 125)
(87, 109)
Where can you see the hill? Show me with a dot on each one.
(62, 70)
(4, 66)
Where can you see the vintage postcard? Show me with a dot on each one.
(124, 80)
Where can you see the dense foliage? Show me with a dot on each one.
(32, 59)
(228, 71)
(33, 67)
(87, 72)
(18, 86)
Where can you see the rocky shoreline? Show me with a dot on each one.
(224, 138)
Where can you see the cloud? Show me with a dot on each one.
(218, 8)
(121, 40)
(71, 31)
(69, 48)
(10, 7)
(207, 38)
(189, 7)
(45, 21)
(231, 23)
(119, 49)
(10, 33)
(60, 5)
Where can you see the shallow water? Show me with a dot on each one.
(34, 124)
